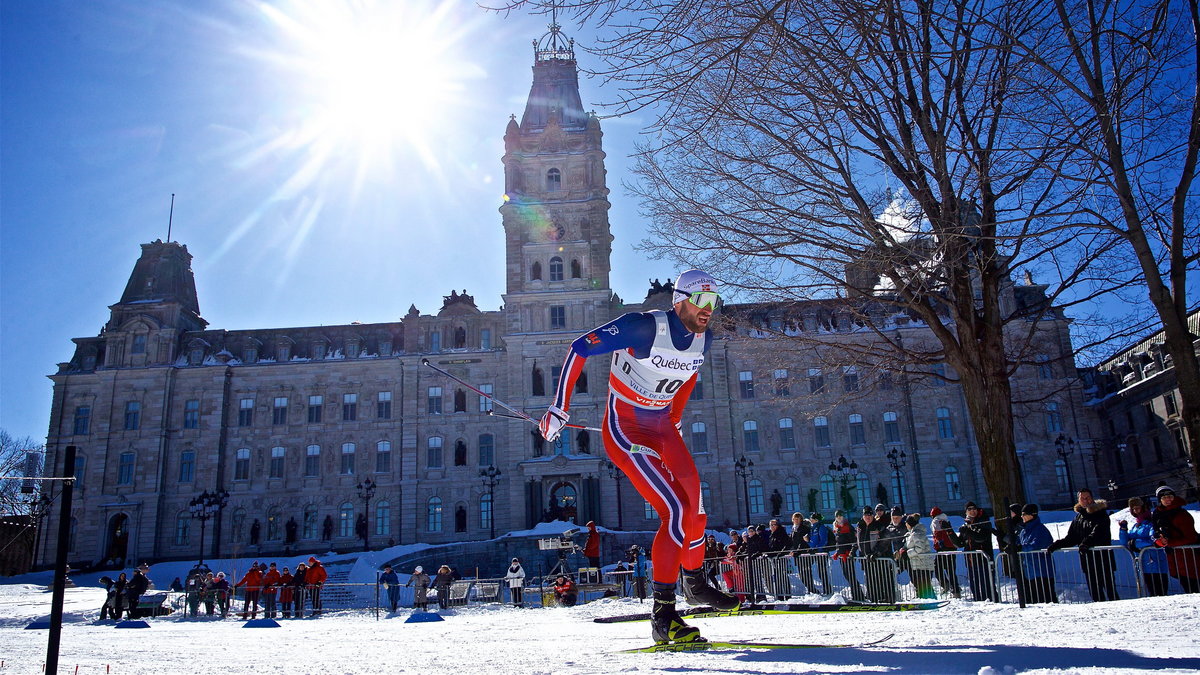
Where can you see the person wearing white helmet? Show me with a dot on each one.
(656, 358)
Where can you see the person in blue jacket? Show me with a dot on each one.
(819, 540)
(1036, 565)
(1139, 539)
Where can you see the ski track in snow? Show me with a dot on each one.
(1123, 637)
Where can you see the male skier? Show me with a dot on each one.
(655, 359)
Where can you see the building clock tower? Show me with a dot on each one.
(555, 211)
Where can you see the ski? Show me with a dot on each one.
(702, 646)
(779, 608)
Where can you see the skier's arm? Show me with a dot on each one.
(629, 331)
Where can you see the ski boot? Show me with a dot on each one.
(666, 626)
(697, 592)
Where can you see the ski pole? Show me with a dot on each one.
(493, 413)
(520, 414)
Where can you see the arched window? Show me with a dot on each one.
(535, 271)
(183, 524)
(485, 512)
(862, 489)
(1053, 418)
(433, 515)
(537, 381)
(556, 269)
(757, 505)
(277, 457)
(237, 529)
(347, 468)
(828, 492)
(274, 524)
(553, 180)
(821, 432)
(891, 427)
(787, 435)
(383, 518)
(383, 457)
(750, 435)
(487, 450)
(898, 491)
(346, 520)
(791, 495)
(460, 452)
(953, 489)
(309, 530)
(81, 470)
(857, 434)
(945, 424)
(187, 466)
(241, 464)
(312, 460)
(576, 272)
(1060, 472)
(699, 443)
(433, 453)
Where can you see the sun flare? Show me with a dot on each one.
(371, 78)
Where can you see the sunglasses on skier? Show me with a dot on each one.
(704, 299)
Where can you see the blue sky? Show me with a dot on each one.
(330, 164)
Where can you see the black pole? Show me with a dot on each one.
(203, 521)
(60, 562)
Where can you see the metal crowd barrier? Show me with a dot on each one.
(1169, 571)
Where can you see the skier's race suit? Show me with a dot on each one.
(655, 361)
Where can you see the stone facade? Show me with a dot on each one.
(289, 421)
(1141, 442)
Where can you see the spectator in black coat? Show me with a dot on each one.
(1091, 529)
(442, 582)
(134, 590)
(108, 609)
(976, 535)
(778, 545)
(298, 589)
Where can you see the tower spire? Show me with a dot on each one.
(554, 46)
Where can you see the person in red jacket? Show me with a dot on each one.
(1175, 527)
(270, 590)
(285, 592)
(253, 583)
(314, 579)
(591, 548)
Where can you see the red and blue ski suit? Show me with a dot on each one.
(654, 366)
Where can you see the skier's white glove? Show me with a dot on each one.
(553, 422)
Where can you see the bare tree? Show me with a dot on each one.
(1122, 79)
(14, 461)
(865, 151)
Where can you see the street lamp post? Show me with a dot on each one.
(366, 490)
(616, 474)
(846, 470)
(743, 467)
(491, 478)
(1065, 447)
(204, 506)
(897, 459)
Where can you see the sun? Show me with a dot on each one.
(371, 78)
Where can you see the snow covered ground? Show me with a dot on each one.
(1129, 636)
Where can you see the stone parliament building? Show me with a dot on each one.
(289, 421)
